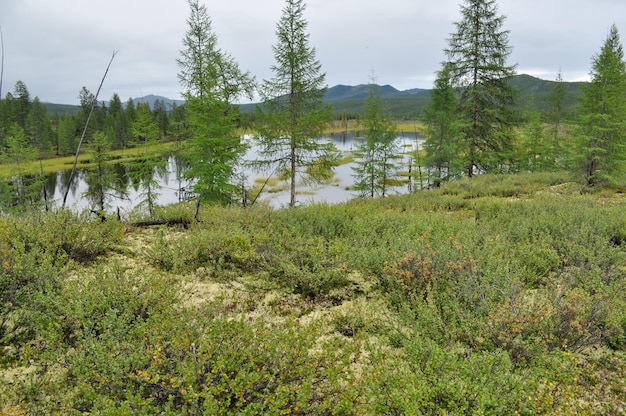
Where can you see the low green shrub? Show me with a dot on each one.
(36, 250)
(132, 349)
(305, 266)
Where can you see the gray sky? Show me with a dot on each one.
(58, 46)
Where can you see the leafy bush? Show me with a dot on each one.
(129, 347)
(35, 249)
(306, 266)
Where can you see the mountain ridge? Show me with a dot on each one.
(350, 99)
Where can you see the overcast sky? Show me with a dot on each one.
(58, 46)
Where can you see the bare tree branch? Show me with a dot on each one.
(82, 137)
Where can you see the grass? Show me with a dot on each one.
(65, 163)
(403, 126)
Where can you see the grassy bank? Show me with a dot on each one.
(57, 164)
(495, 295)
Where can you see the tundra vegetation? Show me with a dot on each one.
(495, 295)
(491, 293)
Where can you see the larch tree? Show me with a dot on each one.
(212, 82)
(477, 53)
(443, 137)
(377, 154)
(19, 152)
(602, 139)
(556, 115)
(146, 130)
(293, 115)
(101, 180)
(117, 125)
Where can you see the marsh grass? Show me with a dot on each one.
(65, 163)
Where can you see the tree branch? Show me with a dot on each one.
(82, 137)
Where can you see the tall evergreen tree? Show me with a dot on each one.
(212, 82)
(101, 180)
(534, 148)
(178, 122)
(144, 127)
(39, 128)
(130, 110)
(293, 115)
(376, 155)
(67, 140)
(602, 139)
(477, 53)
(86, 99)
(556, 112)
(18, 151)
(443, 137)
(117, 125)
(160, 116)
(22, 103)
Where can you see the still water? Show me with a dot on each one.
(172, 185)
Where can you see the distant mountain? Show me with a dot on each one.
(62, 109)
(151, 99)
(346, 92)
(535, 91)
(407, 104)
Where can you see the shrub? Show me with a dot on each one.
(305, 266)
(35, 249)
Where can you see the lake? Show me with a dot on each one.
(173, 186)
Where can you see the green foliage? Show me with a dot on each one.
(443, 139)
(144, 128)
(35, 251)
(102, 182)
(477, 54)
(601, 151)
(495, 295)
(377, 154)
(212, 81)
(293, 115)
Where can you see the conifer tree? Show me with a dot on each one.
(556, 115)
(161, 118)
(443, 137)
(212, 82)
(39, 129)
(22, 104)
(146, 131)
(117, 124)
(144, 128)
(602, 140)
(477, 54)
(18, 152)
(293, 115)
(101, 179)
(378, 151)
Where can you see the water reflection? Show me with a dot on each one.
(169, 185)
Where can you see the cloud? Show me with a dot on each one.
(58, 46)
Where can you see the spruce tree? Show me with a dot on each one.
(117, 125)
(602, 139)
(293, 115)
(477, 55)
